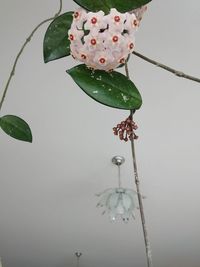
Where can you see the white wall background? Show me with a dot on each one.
(47, 201)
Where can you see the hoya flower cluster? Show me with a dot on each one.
(103, 41)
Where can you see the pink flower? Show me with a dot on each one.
(131, 24)
(103, 42)
(114, 40)
(79, 17)
(94, 41)
(116, 20)
(139, 12)
(75, 35)
(103, 59)
(95, 21)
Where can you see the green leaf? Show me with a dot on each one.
(106, 5)
(111, 89)
(56, 44)
(16, 128)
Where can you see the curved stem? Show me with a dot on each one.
(12, 73)
(127, 70)
(144, 226)
(140, 201)
(160, 65)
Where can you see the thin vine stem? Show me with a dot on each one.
(127, 70)
(160, 65)
(12, 73)
(141, 207)
(140, 201)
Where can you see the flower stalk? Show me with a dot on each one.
(137, 183)
(141, 207)
(167, 68)
(12, 73)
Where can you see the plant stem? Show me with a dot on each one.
(12, 73)
(160, 65)
(127, 70)
(137, 183)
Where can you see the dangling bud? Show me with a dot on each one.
(125, 130)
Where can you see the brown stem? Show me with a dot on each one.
(137, 183)
(127, 70)
(160, 65)
(12, 73)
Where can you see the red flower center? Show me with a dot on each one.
(122, 61)
(71, 37)
(76, 15)
(117, 18)
(93, 42)
(102, 60)
(135, 22)
(115, 39)
(83, 56)
(94, 20)
(131, 46)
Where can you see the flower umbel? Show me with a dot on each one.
(125, 130)
(102, 41)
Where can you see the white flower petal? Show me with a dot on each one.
(103, 42)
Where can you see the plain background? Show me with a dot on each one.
(47, 189)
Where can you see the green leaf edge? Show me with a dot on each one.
(29, 140)
(68, 71)
(49, 60)
(108, 8)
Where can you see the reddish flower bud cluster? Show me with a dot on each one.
(125, 130)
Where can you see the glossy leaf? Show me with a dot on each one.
(106, 5)
(16, 128)
(56, 44)
(111, 89)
